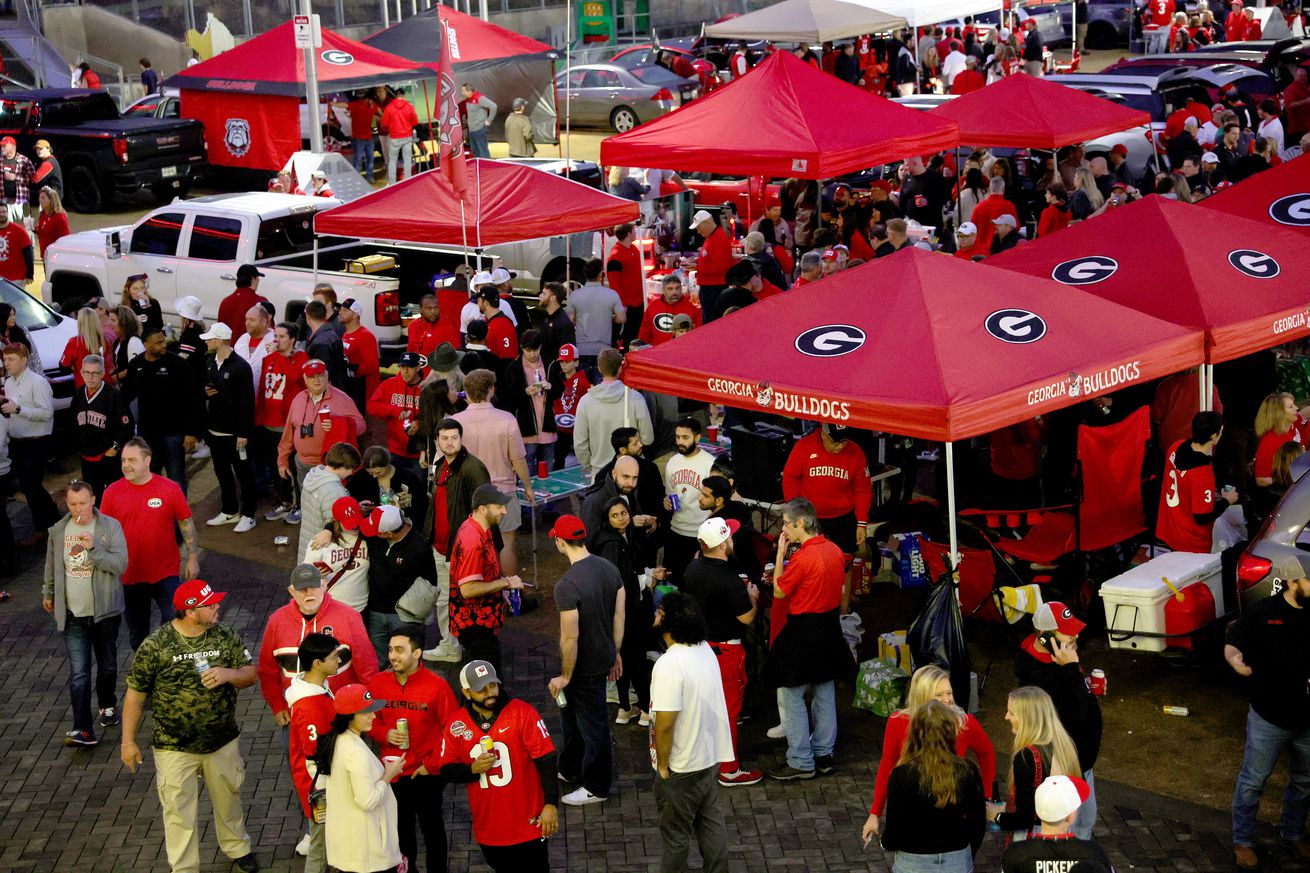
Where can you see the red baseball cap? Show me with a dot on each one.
(195, 594)
(1055, 616)
(347, 512)
(355, 698)
(9, 140)
(313, 365)
(569, 528)
(568, 352)
(1119, 149)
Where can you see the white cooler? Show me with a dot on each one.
(1135, 601)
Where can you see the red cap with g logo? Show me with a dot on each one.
(195, 594)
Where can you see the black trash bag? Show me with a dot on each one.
(937, 637)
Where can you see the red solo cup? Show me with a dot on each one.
(543, 470)
(714, 433)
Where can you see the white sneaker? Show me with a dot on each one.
(302, 847)
(450, 654)
(223, 518)
(201, 452)
(582, 797)
(625, 716)
(778, 732)
(246, 523)
(644, 719)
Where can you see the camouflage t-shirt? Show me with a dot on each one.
(188, 716)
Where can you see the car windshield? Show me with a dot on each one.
(32, 314)
(656, 75)
(144, 108)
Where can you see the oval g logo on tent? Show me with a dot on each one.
(830, 340)
(337, 58)
(1017, 326)
(1294, 210)
(1085, 271)
(1255, 264)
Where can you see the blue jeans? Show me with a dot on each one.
(478, 143)
(539, 452)
(362, 157)
(1082, 826)
(84, 638)
(380, 625)
(959, 861)
(169, 456)
(136, 602)
(802, 745)
(586, 753)
(1265, 743)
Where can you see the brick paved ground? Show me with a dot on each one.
(77, 811)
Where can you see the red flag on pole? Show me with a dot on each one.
(451, 138)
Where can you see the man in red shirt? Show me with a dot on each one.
(966, 242)
(1160, 12)
(477, 604)
(513, 788)
(396, 402)
(431, 329)
(311, 717)
(657, 325)
(362, 111)
(1235, 23)
(456, 475)
(280, 380)
(1296, 102)
(232, 310)
(809, 652)
(424, 700)
(968, 79)
(16, 263)
(362, 352)
(502, 338)
(712, 262)
(148, 506)
(1188, 508)
(398, 122)
(831, 472)
(628, 279)
(811, 266)
(991, 207)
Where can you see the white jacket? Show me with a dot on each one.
(351, 588)
(361, 820)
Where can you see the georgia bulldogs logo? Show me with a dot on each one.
(337, 58)
(202, 595)
(236, 137)
(1085, 271)
(764, 395)
(1292, 210)
(1075, 384)
(1255, 264)
(830, 340)
(664, 322)
(1018, 326)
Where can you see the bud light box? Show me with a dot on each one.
(1135, 602)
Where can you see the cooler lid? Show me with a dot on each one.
(1180, 568)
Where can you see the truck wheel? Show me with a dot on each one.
(165, 191)
(83, 190)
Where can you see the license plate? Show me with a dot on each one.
(168, 172)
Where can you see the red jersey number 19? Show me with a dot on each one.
(492, 779)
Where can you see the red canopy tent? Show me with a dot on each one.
(1023, 111)
(784, 118)
(249, 97)
(506, 203)
(1280, 195)
(1245, 283)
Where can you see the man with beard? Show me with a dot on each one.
(657, 326)
(557, 328)
(716, 499)
(1267, 645)
(513, 787)
(477, 601)
(684, 473)
(622, 481)
(650, 481)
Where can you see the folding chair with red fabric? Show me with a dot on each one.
(1108, 505)
(979, 596)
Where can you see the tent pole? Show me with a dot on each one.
(1073, 37)
(950, 504)
(918, 65)
(1209, 387)
(568, 128)
(1200, 388)
(315, 259)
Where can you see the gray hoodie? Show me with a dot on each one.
(320, 491)
(601, 411)
(108, 559)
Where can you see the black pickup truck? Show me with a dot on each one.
(101, 153)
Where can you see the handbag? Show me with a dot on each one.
(317, 800)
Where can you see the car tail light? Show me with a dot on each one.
(386, 309)
(1251, 569)
(663, 94)
(120, 150)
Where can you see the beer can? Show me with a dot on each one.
(561, 699)
(543, 470)
(402, 725)
(1177, 710)
(487, 743)
(857, 575)
(515, 602)
(675, 502)
(281, 541)
(1096, 684)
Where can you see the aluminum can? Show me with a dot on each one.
(402, 725)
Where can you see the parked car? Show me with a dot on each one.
(646, 54)
(102, 153)
(1285, 532)
(1278, 60)
(49, 332)
(608, 95)
(165, 105)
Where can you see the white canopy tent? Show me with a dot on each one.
(918, 13)
(812, 21)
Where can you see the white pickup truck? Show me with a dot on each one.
(195, 247)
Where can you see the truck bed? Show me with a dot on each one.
(415, 265)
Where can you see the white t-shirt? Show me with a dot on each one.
(352, 586)
(686, 680)
(682, 476)
(1272, 129)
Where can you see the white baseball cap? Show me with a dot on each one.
(188, 307)
(1209, 158)
(1005, 218)
(387, 518)
(483, 278)
(1058, 797)
(967, 229)
(701, 215)
(218, 330)
(714, 532)
(500, 276)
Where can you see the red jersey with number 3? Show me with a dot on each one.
(1186, 494)
(280, 381)
(311, 717)
(507, 798)
(1161, 14)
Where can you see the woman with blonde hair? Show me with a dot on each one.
(90, 340)
(1042, 747)
(1087, 198)
(930, 683)
(935, 807)
(1277, 421)
(51, 219)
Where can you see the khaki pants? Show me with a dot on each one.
(177, 777)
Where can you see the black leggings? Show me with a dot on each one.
(529, 857)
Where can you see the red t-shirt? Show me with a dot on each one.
(361, 349)
(427, 702)
(506, 799)
(1186, 493)
(657, 324)
(361, 113)
(714, 259)
(281, 379)
(474, 559)
(147, 513)
(1298, 117)
(1160, 12)
(1269, 445)
(502, 339)
(968, 81)
(440, 513)
(311, 718)
(13, 239)
(425, 336)
(626, 275)
(814, 578)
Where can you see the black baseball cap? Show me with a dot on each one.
(412, 359)
(486, 494)
(246, 272)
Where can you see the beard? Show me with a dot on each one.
(686, 450)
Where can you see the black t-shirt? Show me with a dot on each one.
(1064, 855)
(591, 586)
(717, 587)
(735, 295)
(1271, 636)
